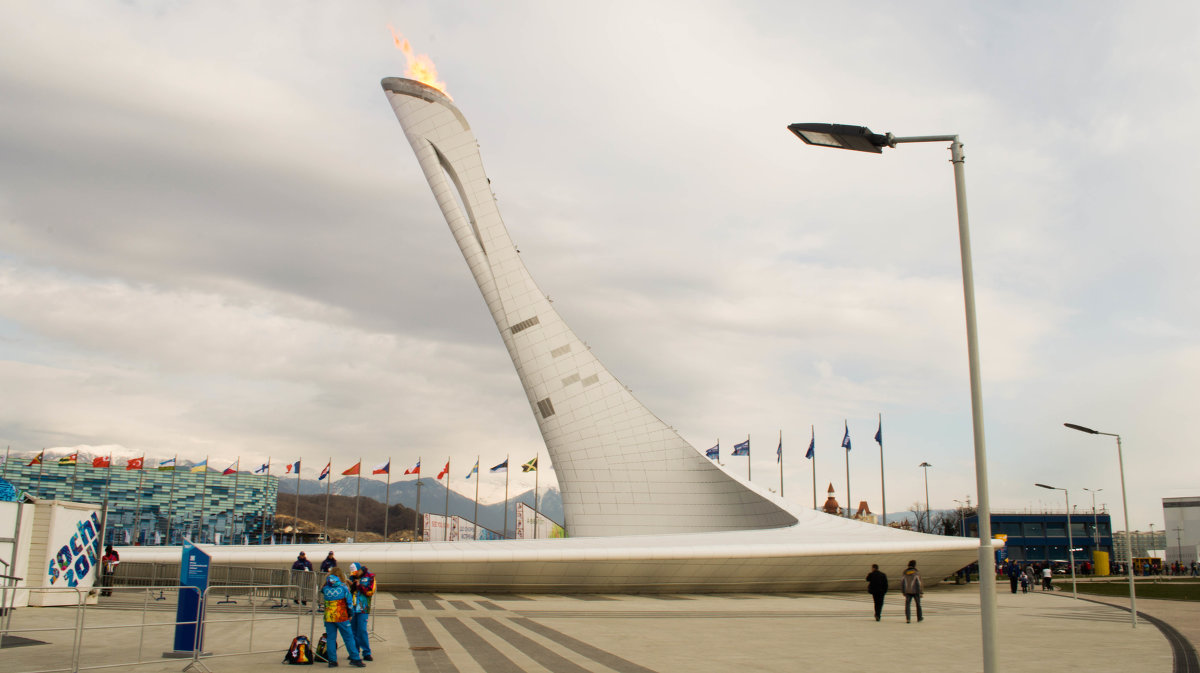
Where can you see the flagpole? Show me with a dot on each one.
(387, 498)
(171, 500)
(847, 469)
(107, 483)
(446, 512)
(781, 463)
(476, 520)
(417, 521)
(504, 533)
(203, 497)
(41, 465)
(262, 528)
(748, 458)
(7, 451)
(74, 476)
(296, 512)
(357, 492)
(328, 484)
(814, 464)
(882, 485)
(237, 473)
(537, 475)
(137, 518)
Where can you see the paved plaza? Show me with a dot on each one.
(431, 633)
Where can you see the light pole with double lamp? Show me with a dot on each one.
(928, 521)
(1124, 506)
(861, 139)
(1070, 538)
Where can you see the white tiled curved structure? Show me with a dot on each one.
(621, 470)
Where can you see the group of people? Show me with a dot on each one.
(347, 601)
(910, 586)
(1027, 577)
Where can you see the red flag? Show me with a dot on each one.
(354, 470)
(134, 463)
(102, 461)
(444, 470)
(37, 460)
(415, 469)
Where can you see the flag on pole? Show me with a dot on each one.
(812, 446)
(37, 460)
(232, 469)
(69, 460)
(531, 466)
(502, 467)
(846, 438)
(415, 469)
(292, 467)
(741, 449)
(354, 470)
(879, 432)
(714, 453)
(168, 464)
(200, 466)
(324, 473)
(135, 463)
(262, 468)
(385, 468)
(444, 470)
(474, 470)
(779, 451)
(102, 461)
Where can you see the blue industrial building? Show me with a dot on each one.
(158, 506)
(1043, 536)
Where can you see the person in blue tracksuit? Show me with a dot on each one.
(336, 593)
(362, 589)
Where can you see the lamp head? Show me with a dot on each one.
(1052, 488)
(924, 465)
(1082, 429)
(843, 136)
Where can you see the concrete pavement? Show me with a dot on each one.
(432, 633)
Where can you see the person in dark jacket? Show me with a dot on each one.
(910, 584)
(1014, 574)
(877, 586)
(303, 564)
(328, 563)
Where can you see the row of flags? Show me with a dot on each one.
(743, 448)
(290, 468)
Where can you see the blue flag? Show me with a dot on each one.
(779, 451)
(502, 467)
(879, 432)
(714, 453)
(846, 439)
(742, 449)
(812, 446)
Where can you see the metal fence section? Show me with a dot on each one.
(230, 613)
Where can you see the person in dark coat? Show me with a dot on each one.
(303, 564)
(1014, 574)
(329, 563)
(877, 586)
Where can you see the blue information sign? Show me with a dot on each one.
(193, 572)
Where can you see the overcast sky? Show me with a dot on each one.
(215, 240)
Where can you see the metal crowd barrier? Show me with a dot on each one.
(212, 617)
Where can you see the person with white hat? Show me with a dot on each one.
(362, 589)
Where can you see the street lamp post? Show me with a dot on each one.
(1095, 519)
(928, 520)
(861, 138)
(1124, 506)
(1070, 538)
(962, 516)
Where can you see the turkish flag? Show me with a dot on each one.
(102, 461)
(135, 463)
(354, 470)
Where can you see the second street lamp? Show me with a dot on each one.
(1125, 507)
(861, 139)
(1070, 538)
(928, 522)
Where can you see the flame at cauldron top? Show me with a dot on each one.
(420, 66)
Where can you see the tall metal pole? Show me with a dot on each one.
(262, 527)
(537, 476)
(296, 511)
(418, 522)
(7, 452)
(476, 473)
(328, 486)
(1070, 545)
(812, 443)
(137, 518)
(357, 493)
(928, 521)
(171, 500)
(387, 498)
(779, 450)
(504, 533)
(446, 511)
(1128, 540)
(882, 484)
(749, 459)
(203, 496)
(75, 476)
(237, 473)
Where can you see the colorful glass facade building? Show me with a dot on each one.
(153, 506)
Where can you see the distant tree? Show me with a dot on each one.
(922, 523)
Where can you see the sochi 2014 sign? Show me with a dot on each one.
(74, 546)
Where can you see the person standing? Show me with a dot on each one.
(108, 568)
(337, 618)
(1047, 578)
(362, 589)
(877, 586)
(1014, 574)
(304, 565)
(910, 584)
(329, 563)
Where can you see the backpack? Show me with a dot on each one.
(322, 649)
(300, 652)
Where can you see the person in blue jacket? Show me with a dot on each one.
(362, 589)
(337, 618)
